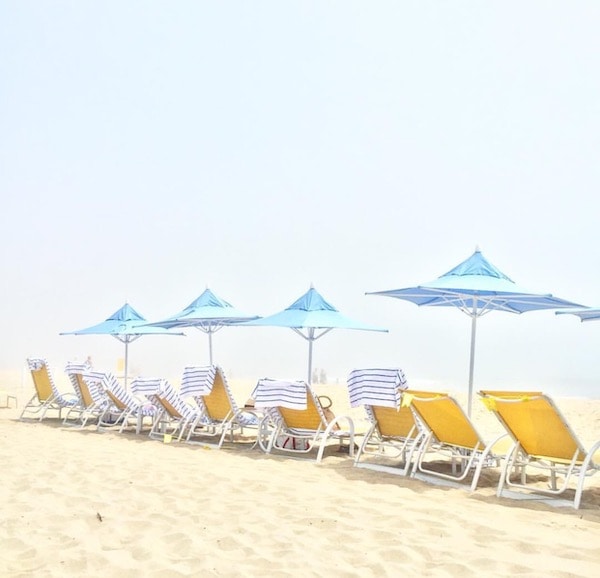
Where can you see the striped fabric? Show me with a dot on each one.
(280, 393)
(172, 397)
(145, 386)
(72, 369)
(109, 382)
(35, 363)
(381, 387)
(65, 400)
(198, 381)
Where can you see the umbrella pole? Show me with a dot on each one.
(126, 362)
(311, 333)
(210, 357)
(472, 359)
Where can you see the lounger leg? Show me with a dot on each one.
(364, 443)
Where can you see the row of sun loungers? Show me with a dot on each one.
(423, 434)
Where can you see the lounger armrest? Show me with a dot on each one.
(339, 420)
(501, 445)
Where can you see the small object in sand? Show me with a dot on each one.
(99, 516)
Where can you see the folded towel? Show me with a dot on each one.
(380, 387)
(197, 381)
(74, 367)
(146, 386)
(280, 393)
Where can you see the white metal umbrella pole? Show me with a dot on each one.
(126, 362)
(472, 360)
(311, 338)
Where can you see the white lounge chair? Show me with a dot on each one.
(299, 421)
(393, 432)
(122, 408)
(220, 415)
(450, 438)
(91, 398)
(47, 397)
(543, 441)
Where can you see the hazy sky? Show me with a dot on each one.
(151, 149)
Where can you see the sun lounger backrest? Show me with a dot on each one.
(219, 404)
(42, 380)
(83, 389)
(311, 418)
(394, 422)
(119, 396)
(88, 396)
(172, 402)
(533, 420)
(442, 414)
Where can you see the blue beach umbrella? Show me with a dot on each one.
(208, 313)
(126, 325)
(584, 314)
(476, 287)
(311, 317)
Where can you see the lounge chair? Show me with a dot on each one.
(7, 400)
(122, 408)
(47, 397)
(449, 434)
(298, 419)
(174, 414)
(393, 432)
(221, 416)
(543, 441)
(91, 400)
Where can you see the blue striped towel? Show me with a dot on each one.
(172, 397)
(145, 386)
(72, 369)
(280, 393)
(382, 387)
(109, 382)
(197, 381)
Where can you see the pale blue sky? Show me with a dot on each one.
(151, 149)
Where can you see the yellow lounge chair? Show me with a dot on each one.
(122, 407)
(449, 434)
(393, 432)
(543, 440)
(91, 399)
(7, 399)
(174, 414)
(298, 419)
(220, 415)
(47, 397)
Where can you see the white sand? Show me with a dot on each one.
(179, 510)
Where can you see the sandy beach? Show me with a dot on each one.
(83, 503)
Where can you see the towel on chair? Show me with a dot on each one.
(198, 381)
(380, 387)
(280, 393)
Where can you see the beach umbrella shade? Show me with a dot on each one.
(208, 313)
(126, 325)
(584, 314)
(311, 317)
(476, 287)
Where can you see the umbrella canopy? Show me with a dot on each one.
(585, 314)
(476, 287)
(311, 317)
(126, 325)
(208, 313)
